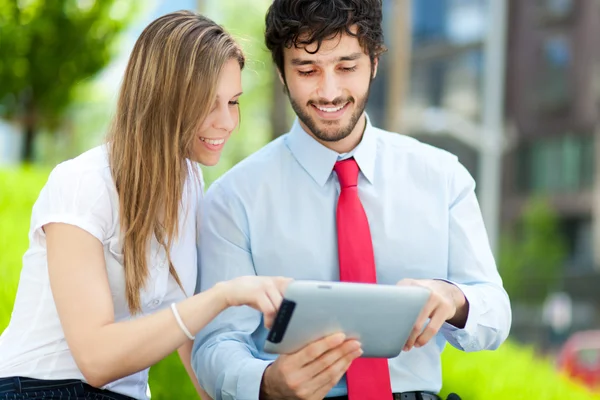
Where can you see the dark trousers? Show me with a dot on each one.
(19, 388)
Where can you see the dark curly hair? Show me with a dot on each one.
(302, 22)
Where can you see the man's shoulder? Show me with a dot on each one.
(401, 145)
(258, 166)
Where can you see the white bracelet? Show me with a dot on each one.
(180, 322)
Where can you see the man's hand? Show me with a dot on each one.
(447, 303)
(310, 373)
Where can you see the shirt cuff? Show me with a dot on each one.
(250, 378)
(466, 337)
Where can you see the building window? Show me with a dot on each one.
(462, 88)
(555, 11)
(564, 164)
(580, 246)
(428, 21)
(553, 88)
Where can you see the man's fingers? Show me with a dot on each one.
(297, 371)
(431, 330)
(331, 376)
(332, 356)
(316, 349)
(418, 327)
(407, 282)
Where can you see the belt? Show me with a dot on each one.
(401, 396)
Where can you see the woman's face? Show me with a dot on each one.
(223, 117)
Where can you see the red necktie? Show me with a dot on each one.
(368, 378)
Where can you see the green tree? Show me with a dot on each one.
(47, 48)
(531, 259)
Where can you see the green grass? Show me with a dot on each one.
(18, 191)
(512, 372)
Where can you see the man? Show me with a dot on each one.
(407, 214)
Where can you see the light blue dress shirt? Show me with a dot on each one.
(274, 214)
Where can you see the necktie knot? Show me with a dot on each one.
(347, 172)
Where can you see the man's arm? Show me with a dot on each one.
(223, 354)
(472, 269)
(470, 307)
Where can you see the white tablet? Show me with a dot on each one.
(381, 317)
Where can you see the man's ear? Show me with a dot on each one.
(281, 79)
(283, 83)
(374, 67)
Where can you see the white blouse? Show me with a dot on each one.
(82, 192)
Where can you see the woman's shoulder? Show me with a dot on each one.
(81, 192)
(85, 176)
(91, 165)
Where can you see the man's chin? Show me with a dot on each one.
(331, 135)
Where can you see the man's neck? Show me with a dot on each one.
(348, 143)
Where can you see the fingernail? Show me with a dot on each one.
(340, 336)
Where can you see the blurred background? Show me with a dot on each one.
(512, 87)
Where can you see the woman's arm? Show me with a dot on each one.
(185, 353)
(104, 350)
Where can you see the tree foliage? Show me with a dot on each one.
(46, 49)
(531, 259)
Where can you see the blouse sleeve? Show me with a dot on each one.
(74, 197)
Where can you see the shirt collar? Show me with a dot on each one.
(319, 160)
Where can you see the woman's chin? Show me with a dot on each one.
(207, 160)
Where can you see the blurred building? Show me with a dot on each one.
(443, 104)
(553, 101)
(551, 108)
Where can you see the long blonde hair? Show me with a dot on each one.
(168, 90)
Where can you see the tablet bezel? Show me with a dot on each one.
(381, 317)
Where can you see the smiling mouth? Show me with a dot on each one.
(214, 142)
(330, 109)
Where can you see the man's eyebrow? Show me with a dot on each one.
(300, 62)
(351, 57)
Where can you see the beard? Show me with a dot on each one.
(330, 131)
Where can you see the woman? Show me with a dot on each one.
(107, 283)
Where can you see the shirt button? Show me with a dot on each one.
(155, 303)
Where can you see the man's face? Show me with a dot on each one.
(328, 90)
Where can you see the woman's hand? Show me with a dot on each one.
(259, 292)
